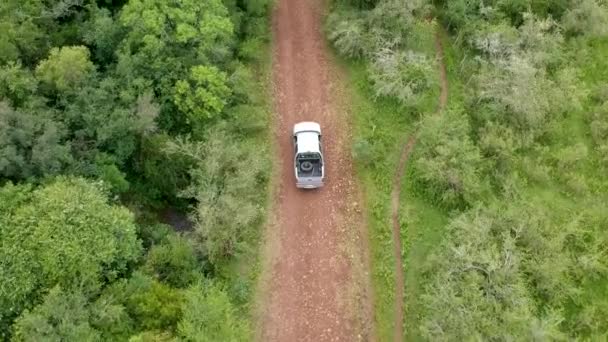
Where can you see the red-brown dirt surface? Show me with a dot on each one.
(314, 283)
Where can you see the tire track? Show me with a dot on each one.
(406, 151)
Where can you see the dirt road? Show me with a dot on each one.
(314, 282)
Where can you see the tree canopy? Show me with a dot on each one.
(92, 96)
(66, 234)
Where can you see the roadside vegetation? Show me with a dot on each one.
(504, 220)
(110, 113)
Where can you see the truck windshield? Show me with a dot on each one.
(309, 156)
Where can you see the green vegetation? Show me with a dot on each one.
(503, 216)
(109, 113)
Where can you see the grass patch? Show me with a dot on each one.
(422, 222)
(382, 126)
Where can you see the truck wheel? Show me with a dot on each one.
(306, 166)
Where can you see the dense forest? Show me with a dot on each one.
(111, 114)
(505, 217)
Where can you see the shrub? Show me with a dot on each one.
(599, 130)
(586, 17)
(152, 233)
(150, 304)
(226, 183)
(502, 261)
(174, 262)
(363, 152)
(347, 32)
(61, 317)
(498, 143)
(210, 316)
(567, 157)
(160, 175)
(32, 144)
(475, 288)
(448, 165)
(404, 75)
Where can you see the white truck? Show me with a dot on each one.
(308, 159)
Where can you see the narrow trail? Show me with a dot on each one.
(314, 284)
(396, 192)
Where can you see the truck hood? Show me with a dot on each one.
(306, 126)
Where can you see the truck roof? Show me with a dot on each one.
(308, 142)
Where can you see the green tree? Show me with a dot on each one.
(164, 40)
(22, 38)
(448, 163)
(163, 29)
(104, 120)
(476, 288)
(17, 84)
(153, 336)
(64, 233)
(587, 17)
(150, 304)
(210, 316)
(66, 68)
(32, 144)
(225, 184)
(61, 317)
(174, 262)
(160, 175)
(103, 33)
(404, 75)
(72, 316)
(203, 96)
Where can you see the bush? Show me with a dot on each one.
(599, 131)
(227, 179)
(516, 93)
(391, 24)
(499, 143)
(448, 165)
(151, 305)
(477, 278)
(152, 233)
(61, 317)
(502, 261)
(364, 152)
(32, 144)
(160, 175)
(586, 17)
(404, 75)
(152, 336)
(347, 32)
(174, 262)
(566, 158)
(210, 316)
